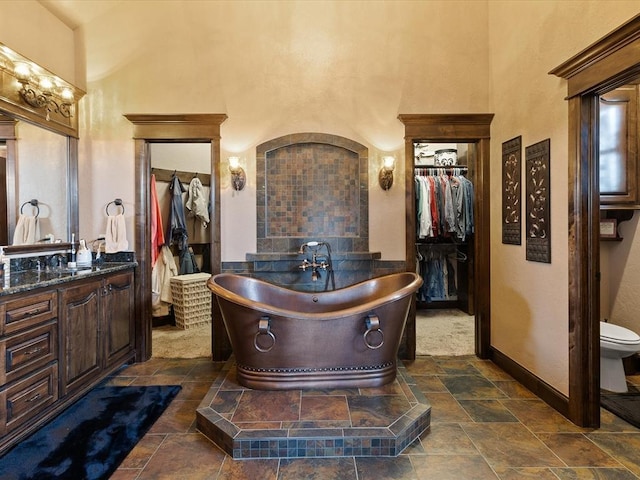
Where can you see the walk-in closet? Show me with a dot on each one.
(181, 303)
(444, 209)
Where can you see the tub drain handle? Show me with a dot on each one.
(264, 328)
(372, 322)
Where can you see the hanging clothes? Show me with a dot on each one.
(161, 274)
(176, 233)
(438, 273)
(197, 201)
(177, 228)
(157, 230)
(444, 204)
(444, 218)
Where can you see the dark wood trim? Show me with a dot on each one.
(173, 128)
(143, 253)
(454, 128)
(164, 175)
(606, 64)
(541, 389)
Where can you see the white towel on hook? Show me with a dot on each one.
(116, 236)
(27, 230)
(198, 202)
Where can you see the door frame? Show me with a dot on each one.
(474, 129)
(609, 63)
(172, 128)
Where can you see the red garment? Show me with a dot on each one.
(157, 235)
(435, 217)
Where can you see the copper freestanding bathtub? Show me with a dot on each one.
(285, 339)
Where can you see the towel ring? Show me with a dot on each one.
(117, 202)
(33, 202)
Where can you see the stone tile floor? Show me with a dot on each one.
(484, 425)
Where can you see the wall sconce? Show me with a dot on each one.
(38, 87)
(385, 176)
(238, 177)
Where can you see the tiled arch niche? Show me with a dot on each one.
(312, 186)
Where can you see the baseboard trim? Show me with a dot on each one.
(541, 389)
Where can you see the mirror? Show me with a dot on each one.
(41, 185)
(36, 164)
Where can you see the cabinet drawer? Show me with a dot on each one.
(28, 397)
(27, 351)
(28, 311)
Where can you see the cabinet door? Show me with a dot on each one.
(618, 147)
(118, 317)
(81, 358)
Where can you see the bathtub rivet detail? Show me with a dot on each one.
(315, 299)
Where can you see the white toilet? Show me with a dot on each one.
(616, 343)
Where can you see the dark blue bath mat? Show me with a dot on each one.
(91, 438)
(624, 405)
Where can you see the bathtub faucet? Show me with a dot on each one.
(307, 245)
(318, 261)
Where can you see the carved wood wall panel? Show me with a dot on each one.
(512, 191)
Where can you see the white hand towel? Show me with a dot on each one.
(27, 230)
(116, 236)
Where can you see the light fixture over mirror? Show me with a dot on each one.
(36, 86)
(238, 176)
(385, 176)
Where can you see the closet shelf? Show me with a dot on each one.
(164, 175)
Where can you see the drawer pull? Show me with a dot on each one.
(34, 398)
(34, 351)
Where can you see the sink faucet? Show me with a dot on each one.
(55, 260)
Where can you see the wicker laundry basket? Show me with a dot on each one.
(191, 300)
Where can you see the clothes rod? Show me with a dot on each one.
(430, 169)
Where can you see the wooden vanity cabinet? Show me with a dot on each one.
(28, 358)
(80, 313)
(118, 318)
(56, 343)
(96, 320)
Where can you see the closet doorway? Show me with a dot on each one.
(172, 128)
(472, 131)
(445, 322)
(181, 325)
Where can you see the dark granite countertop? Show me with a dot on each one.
(26, 280)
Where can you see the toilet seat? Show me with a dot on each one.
(617, 334)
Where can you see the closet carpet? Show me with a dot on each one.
(444, 332)
(172, 342)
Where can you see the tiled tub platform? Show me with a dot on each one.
(342, 422)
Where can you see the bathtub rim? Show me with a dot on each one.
(408, 288)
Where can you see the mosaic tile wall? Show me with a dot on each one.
(312, 190)
(312, 186)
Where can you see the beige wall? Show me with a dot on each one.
(529, 303)
(29, 29)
